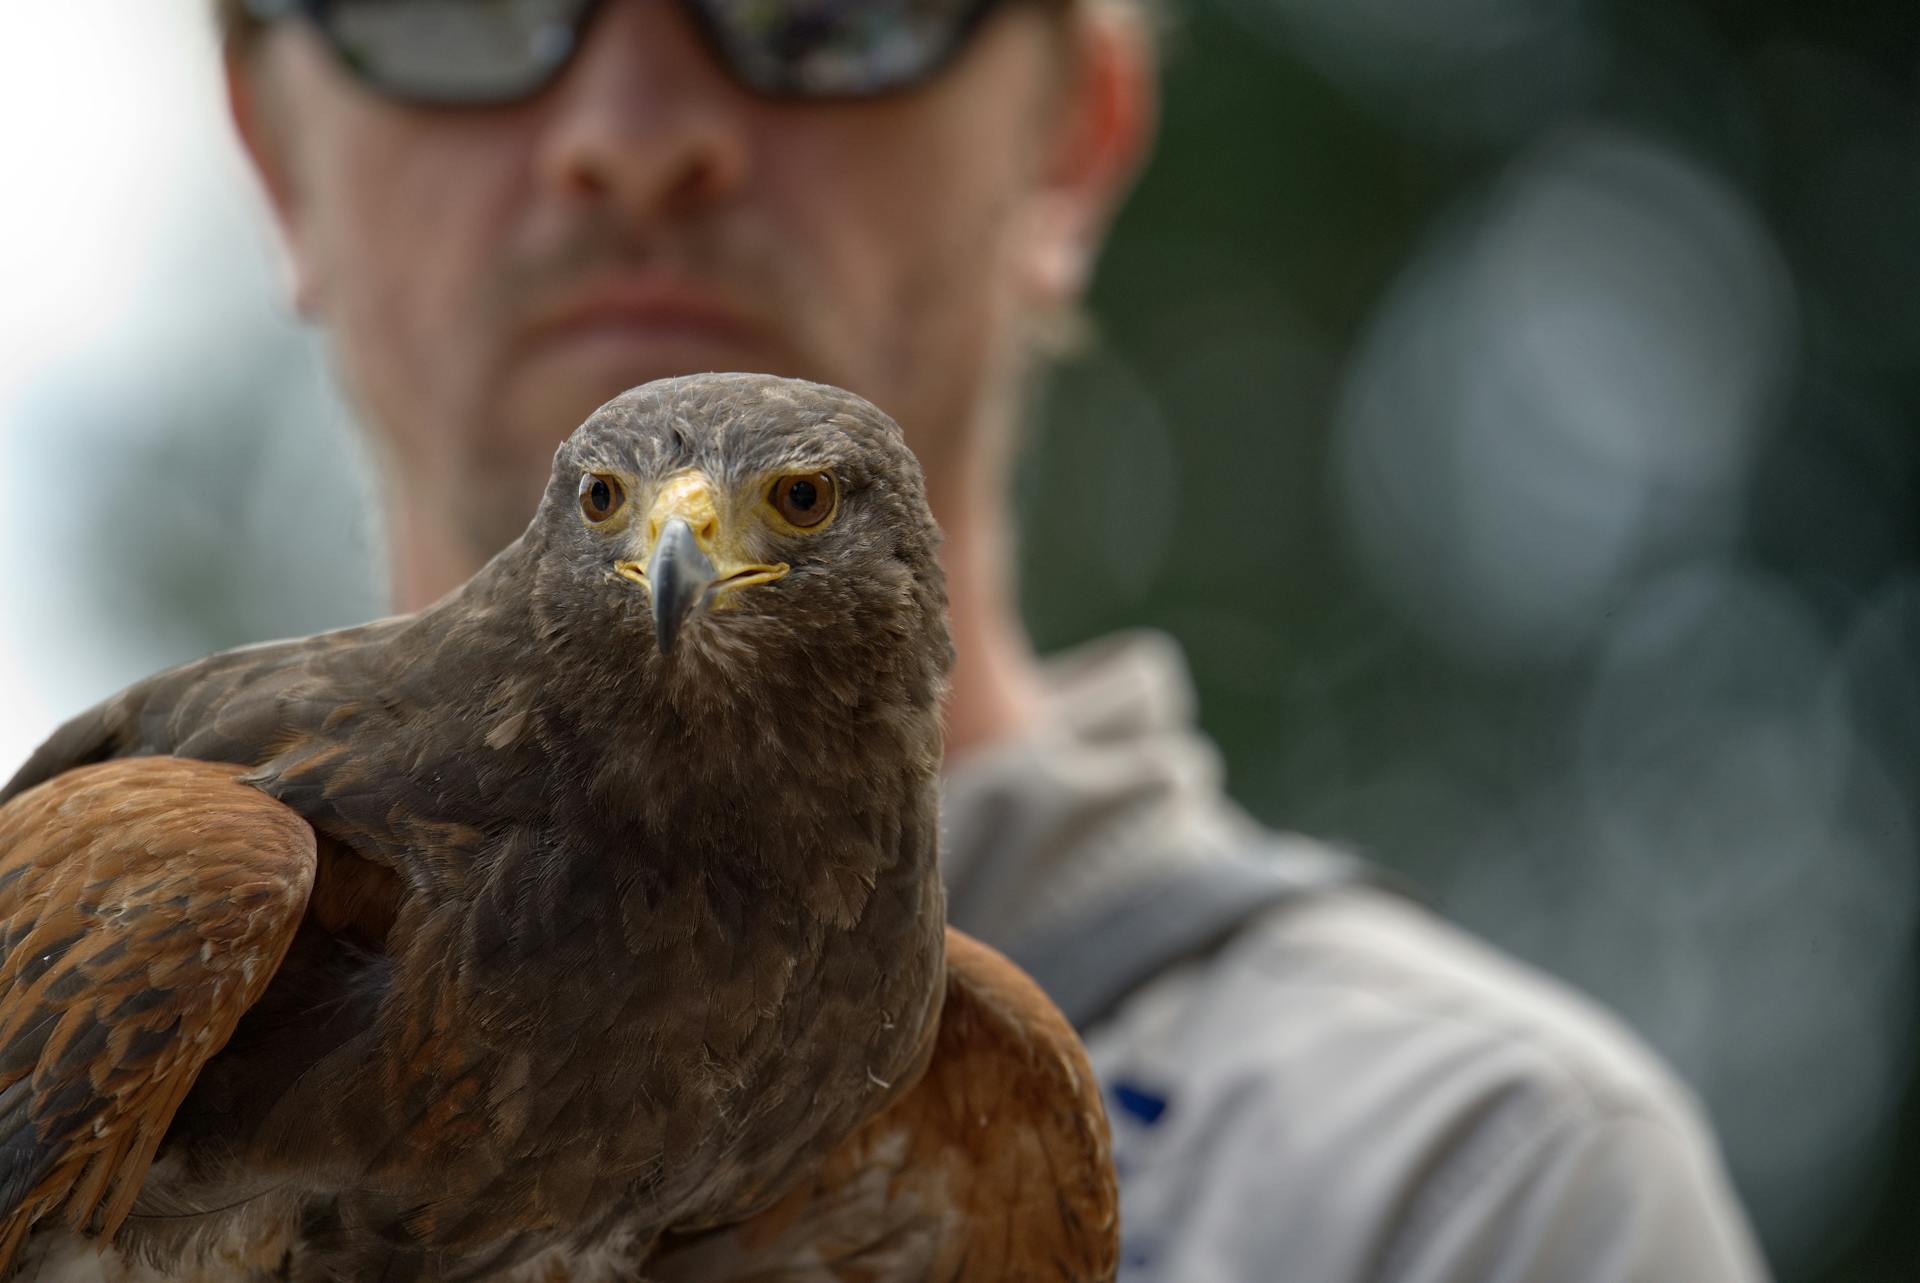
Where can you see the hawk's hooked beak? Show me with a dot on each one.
(678, 575)
(692, 558)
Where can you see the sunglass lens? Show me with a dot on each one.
(455, 51)
(836, 48)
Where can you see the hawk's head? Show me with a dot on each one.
(727, 530)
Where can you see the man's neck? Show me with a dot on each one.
(996, 676)
(427, 559)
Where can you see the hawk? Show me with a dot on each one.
(584, 925)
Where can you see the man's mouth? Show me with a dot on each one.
(646, 314)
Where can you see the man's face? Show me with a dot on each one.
(491, 275)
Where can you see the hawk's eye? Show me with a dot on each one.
(804, 499)
(600, 496)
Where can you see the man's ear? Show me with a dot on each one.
(1104, 128)
(263, 134)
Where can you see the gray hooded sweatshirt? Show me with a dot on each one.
(1314, 1080)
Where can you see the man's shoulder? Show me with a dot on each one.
(1325, 979)
(1364, 1083)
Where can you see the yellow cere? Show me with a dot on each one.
(690, 496)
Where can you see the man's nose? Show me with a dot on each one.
(645, 118)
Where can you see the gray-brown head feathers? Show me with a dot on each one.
(856, 622)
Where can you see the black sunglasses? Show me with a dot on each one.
(491, 52)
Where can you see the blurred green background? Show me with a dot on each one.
(1509, 404)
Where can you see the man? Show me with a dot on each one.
(505, 213)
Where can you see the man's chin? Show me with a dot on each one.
(581, 374)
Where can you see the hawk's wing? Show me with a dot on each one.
(348, 728)
(994, 1168)
(144, 906)
(231, 707)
